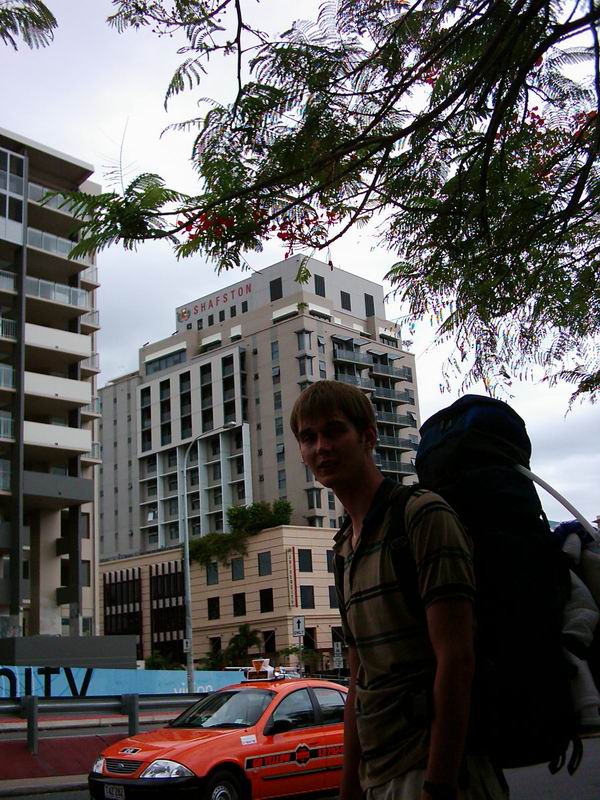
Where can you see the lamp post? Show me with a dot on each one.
(187, 583)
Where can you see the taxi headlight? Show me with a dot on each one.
(98, 765)
(163, 768)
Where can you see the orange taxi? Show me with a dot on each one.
(253, 740)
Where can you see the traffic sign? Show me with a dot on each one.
(337, 648)
(186, 645)
(338, 662)
(298, 626)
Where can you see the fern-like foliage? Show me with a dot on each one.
(463, 126)
(29, 20)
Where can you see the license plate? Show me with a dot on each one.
(114, 792)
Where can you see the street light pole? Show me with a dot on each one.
(187, 583)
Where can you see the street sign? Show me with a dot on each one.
(186, 645)
(298, 626)
(337, 648)
(338, 662)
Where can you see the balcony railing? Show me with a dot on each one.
(395, 441)
(7, 428)
(385, 465)
(363, 383)
(94, 454)
(4, 475)
(91, 318)
(401, 373)
(7, 280)
(340, 354)
(93, 362)
(58, 292)
(8, 328)
(392, 394)
(90, 275)
(50, 243)
(396, 419)
(37, 194)
(95, 407)
(7, 377)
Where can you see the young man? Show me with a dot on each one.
(411, 668)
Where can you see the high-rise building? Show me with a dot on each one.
(48, 403)
(212, 402)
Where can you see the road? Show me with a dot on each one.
(532, 783)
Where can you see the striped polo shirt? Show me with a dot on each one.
(389, 632)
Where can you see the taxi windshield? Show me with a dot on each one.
(237, 708)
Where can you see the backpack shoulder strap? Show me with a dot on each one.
(396, 539)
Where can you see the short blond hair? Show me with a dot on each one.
(327, 398)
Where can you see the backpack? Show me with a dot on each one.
(521, 711)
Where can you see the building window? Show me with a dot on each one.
(266, 600)
(330, 560)
(321, 344)
(276, 289)
(211, 320)
(212, 573)
(305, 560)
(237, 569)
(305, 365)
(320, 285)
(303, 338)
(277, 401)
(313, 498)
(281, 480)
(86, 573)
(222, 315)
(214, 644)
(331, 501)
(216, 471)
(158, 364)
(322, 370)
(307, 597)
(369, 305)
(278, 426)
(244, 306)
(200, 324)
(275, 352)
(333, 598)
(332, 523)
(308, 474)
(276, 375)
(239, 604)
(264, 563)
(214, 608)
(280, 453)
(269, 642)
(346, 304)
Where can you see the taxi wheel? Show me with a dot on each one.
(223, 785)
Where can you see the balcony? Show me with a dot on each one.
(90, 322)
(45, 490)
(52, 441)
(37, 193)
(49, 394)
(399, 373)
(7, 427)
(402, 420)
(397, 467)
(7, 377)
(8, 281)
(94, 455)
(89, 276)
(91, 365)
(353, 380)
(93, 409)
(4, 475)
(55, 245)
(50, 348)
(8, 329)
(57, 293)
(397, 443)
(351, 356)
(392, 394)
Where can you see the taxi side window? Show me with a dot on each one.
(332, 705)
(296, 707)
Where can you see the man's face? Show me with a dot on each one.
(335, 451)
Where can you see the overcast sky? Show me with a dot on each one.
(92, 87)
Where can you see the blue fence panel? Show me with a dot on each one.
(91, 682)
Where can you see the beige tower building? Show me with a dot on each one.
(202, 425)
(48, 403)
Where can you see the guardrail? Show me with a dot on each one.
(128, 705)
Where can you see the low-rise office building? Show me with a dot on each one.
(282, 588)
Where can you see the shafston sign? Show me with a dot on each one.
(216, 301)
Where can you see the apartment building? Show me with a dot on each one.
(48, 402)
(285, 576)
(203, 423)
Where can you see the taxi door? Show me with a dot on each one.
(289, 762)
(330, 702)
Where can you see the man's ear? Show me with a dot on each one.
(370, 437)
